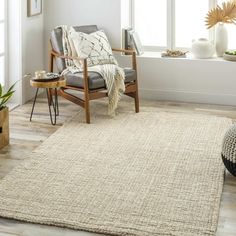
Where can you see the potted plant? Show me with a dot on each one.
(4, 115)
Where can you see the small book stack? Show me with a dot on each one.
(131, 40)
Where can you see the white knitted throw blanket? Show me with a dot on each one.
(113, 74)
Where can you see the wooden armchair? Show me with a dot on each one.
(90, 84)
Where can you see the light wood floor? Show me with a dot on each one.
(26, 136)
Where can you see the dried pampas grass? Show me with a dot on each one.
(224, 14)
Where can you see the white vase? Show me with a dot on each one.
(221, 39)
(202, 48)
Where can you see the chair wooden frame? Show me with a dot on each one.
(131, 88)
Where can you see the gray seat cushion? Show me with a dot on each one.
(95, 79)
(56, 41)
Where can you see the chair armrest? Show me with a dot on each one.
(128, 51)
(131, 52)
(83, 60)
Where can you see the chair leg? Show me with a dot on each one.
(86, 92)
(87, 111)
(87, 114)
(136, 100)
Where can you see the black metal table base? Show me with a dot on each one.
(52, 105)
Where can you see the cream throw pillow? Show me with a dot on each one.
(95, 47)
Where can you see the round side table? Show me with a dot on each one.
(51, 87)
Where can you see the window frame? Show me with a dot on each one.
(170, 26)
(5, 50)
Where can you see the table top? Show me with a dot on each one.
(56, 83)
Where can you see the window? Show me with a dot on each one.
(173, 24)
(151, 22)
(2, 41)
(189, 21)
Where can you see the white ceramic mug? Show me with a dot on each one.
(40, 74)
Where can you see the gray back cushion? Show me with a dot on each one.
(56, 41)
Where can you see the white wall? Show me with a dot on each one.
(190, 80)
(33, 48)
(25, 48)
(207, 81)
(104, 13)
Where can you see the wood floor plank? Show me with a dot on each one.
(26, 136)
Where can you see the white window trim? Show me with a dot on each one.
(6, 44)
(170, 26)
(5, 53)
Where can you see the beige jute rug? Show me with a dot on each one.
(152, 173)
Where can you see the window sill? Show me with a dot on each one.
(189, 56)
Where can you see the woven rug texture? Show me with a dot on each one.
(152, 173)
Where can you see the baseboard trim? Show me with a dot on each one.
(189, 96)
(12, 106)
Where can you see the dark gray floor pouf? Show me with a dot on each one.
(229, 150)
